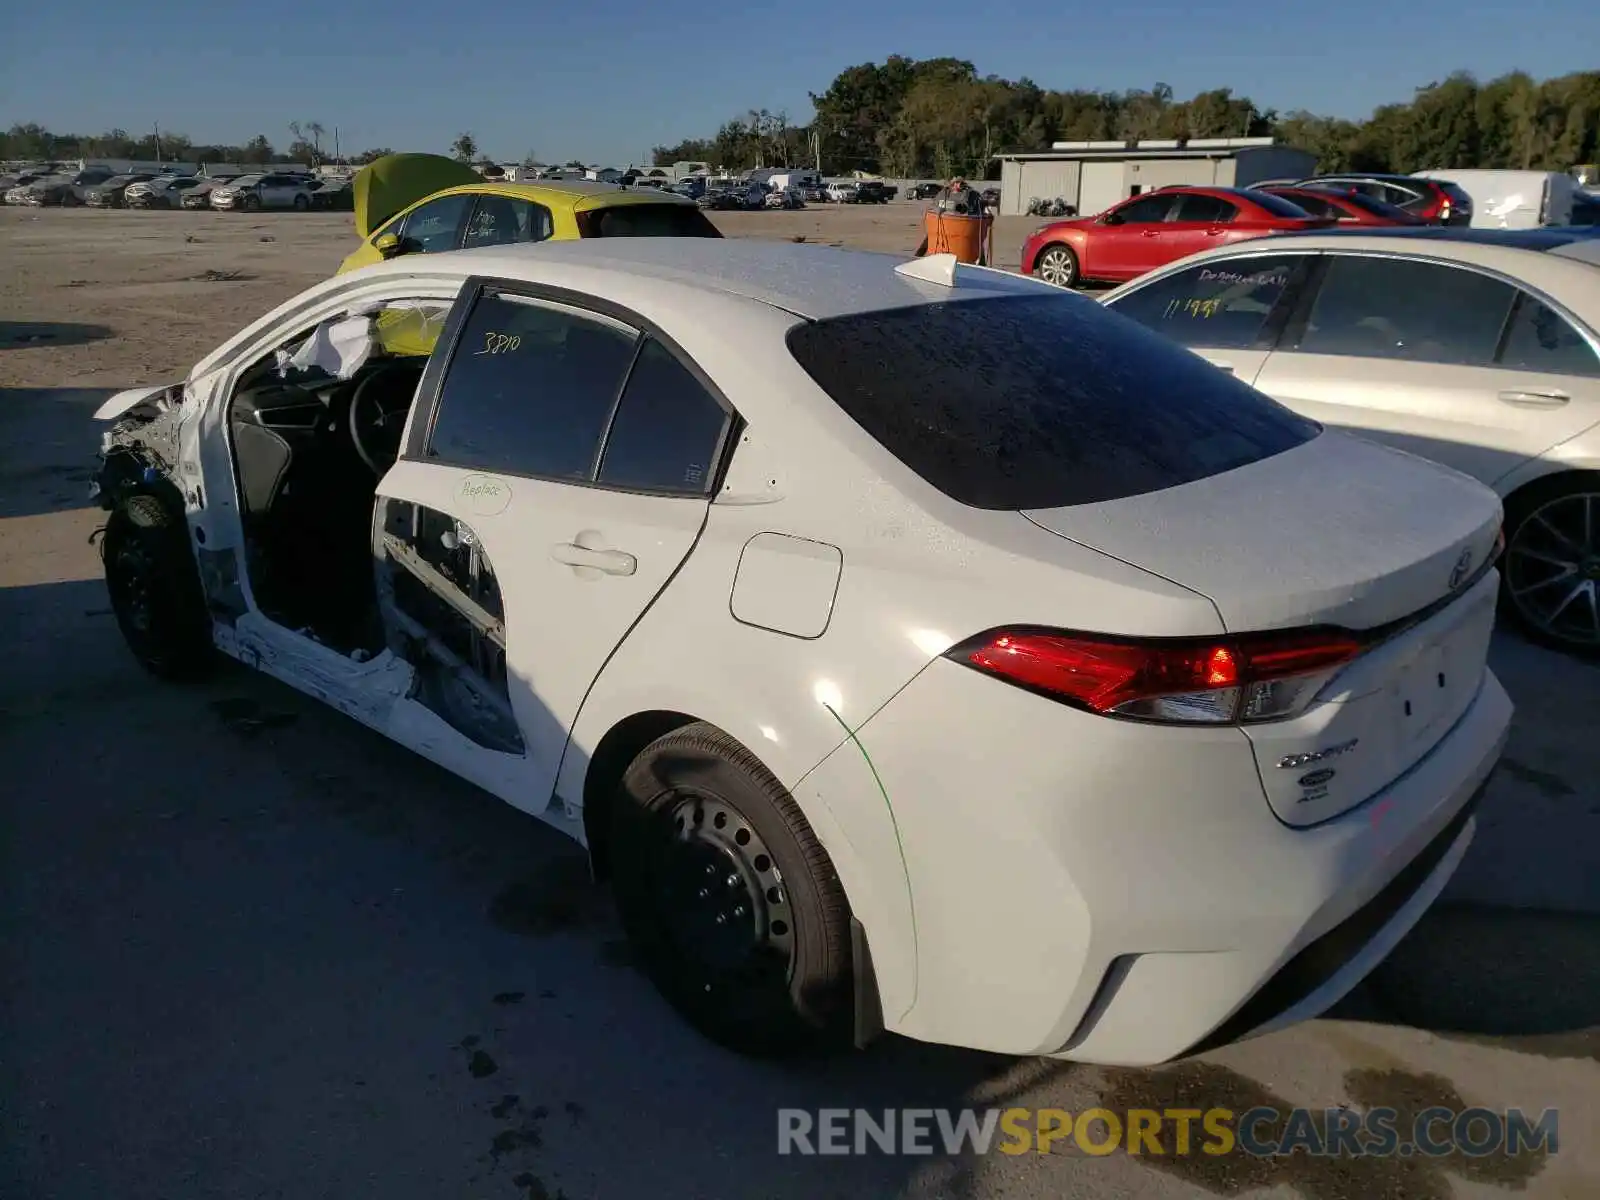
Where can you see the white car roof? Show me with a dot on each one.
(805, 279)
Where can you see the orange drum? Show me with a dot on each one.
(954, 233)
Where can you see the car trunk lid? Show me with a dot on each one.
(1343, 533)
(1335, 531)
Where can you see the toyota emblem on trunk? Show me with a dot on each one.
(1458, 574)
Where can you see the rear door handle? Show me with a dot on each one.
(612, 562)
(1533, 399)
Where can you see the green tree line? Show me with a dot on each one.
(933, 118)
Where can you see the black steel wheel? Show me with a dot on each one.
(155, 591)
(729, 899)
(1550, 578)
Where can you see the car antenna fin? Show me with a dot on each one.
(935, 268)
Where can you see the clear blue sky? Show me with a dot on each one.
(605, 80)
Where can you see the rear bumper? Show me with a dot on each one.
(1108, 892)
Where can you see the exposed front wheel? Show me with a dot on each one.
(729, 899)
(1550, 578)
(1057, 265)
(155, 590)
(301, 204)
(252, 203)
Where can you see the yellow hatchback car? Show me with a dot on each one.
(425, 203)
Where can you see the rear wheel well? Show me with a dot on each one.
(1530, 492)
(622, 744)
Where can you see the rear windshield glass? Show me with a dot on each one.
(1457, 193)
(648, 220)
(1278, 206)
(1040, 401)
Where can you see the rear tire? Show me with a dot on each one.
(155, 590)
(1058, 265)
(1550, 575)
(729, 899)
(301, 204)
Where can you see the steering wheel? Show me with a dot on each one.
(374, 430)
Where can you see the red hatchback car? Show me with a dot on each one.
(1347, 208)
(1153, 229)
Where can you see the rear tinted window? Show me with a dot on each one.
(1278, 206)
(647, 220)
(1039, 401)
(1537, 338)
(530, 389)
(1196, 206)
(1408, 310)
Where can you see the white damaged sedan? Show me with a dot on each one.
(912, 646)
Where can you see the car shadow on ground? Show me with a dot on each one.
(314, 963)
(286, 932)
(1523, 979)
(15, 335)
(51, 442)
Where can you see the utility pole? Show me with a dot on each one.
(336, 157)
(157, 127)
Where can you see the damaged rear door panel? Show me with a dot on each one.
(446, 616)
(509, 570)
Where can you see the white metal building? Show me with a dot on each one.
(1092, 176)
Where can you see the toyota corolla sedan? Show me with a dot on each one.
(913, 646)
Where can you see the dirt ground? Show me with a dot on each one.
(252, 951)
(169, 286)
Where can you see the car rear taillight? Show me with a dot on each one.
(1222, 680)
(1438, 206)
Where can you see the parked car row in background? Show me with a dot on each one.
(1152, 229)
(104, 187)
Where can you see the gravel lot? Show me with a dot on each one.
(253, 950)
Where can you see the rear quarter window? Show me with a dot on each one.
(1039, 401)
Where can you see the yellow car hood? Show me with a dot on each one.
(386, 185)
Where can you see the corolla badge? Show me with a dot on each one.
(1463, 567)
(1291, 762)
